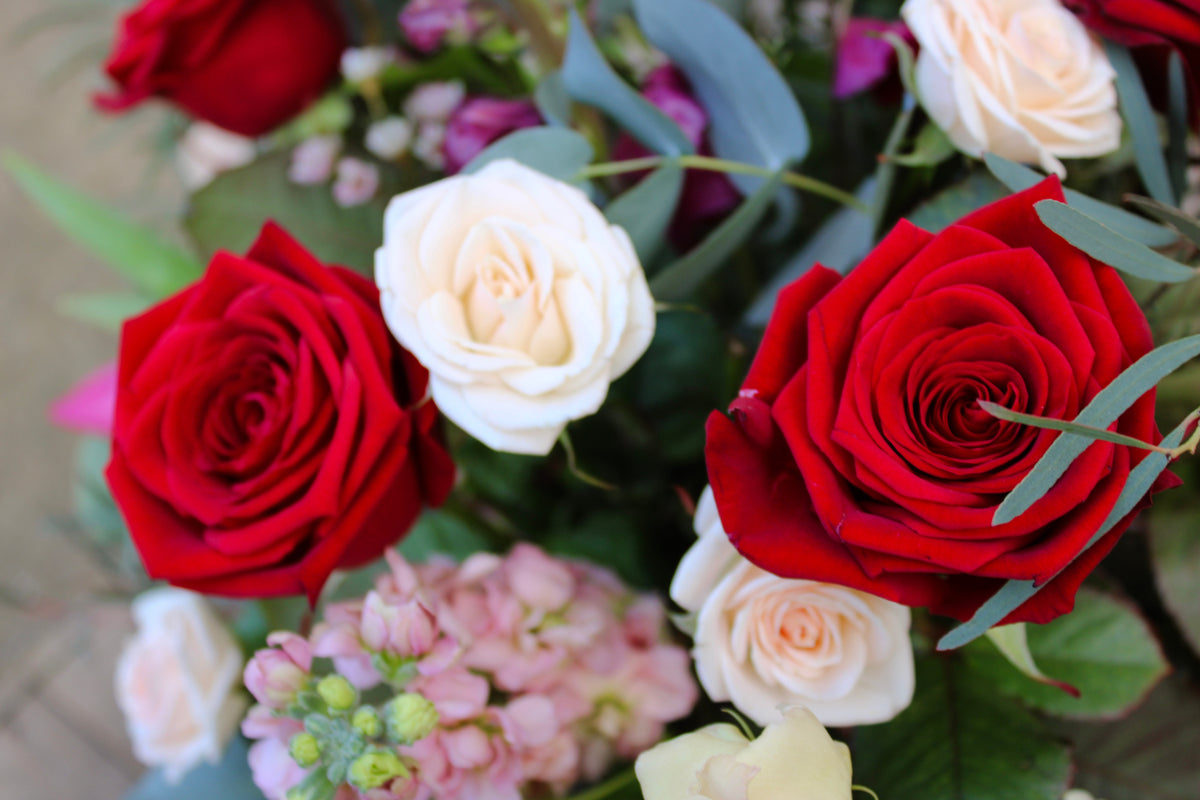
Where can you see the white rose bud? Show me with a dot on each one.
(516, 294)
(206, 151)
(389, 138)
(762, 641)
(1018, 78)
(793, 759)
(178, 682)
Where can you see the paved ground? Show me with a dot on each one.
(61, 736)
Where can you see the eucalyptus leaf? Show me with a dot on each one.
(1175, 556)
(960, 740)
(1142, 124)
(1109, 247)
(1104, 649)
(646, 210)
(152, 265)
(229, 779)
(1018, 177)
(1015, 592)
(558, 152)
(1188, 226)
(1049, 423)
(588, 78)
(1177, 124)
(754, 117)
(106, 310)
(678, 280)
(552, 100)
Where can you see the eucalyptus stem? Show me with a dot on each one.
(610, 786)
(793, 179)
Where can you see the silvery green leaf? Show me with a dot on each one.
(1109, 247)
(558, 152)
(646, 210)
(1142, 123)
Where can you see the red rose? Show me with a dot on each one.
(1153, 28)
(243, 65)
(269, 429)
(857, 454)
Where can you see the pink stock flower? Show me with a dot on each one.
(261, 722)
(273, 769)
(864, 58)
(356, 182)
(707, 196)
(480, 121)
(427, 22)
(276, 674)
(89, 405)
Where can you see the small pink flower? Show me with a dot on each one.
(89, 405)
(262, 723)
(275, 675)
(864, 58)
(530, 720)
(539, 581)
(340, 642)
(406, 628)
(480, 121)
(273, 769)
(434, 101)
(457, 694)
(427, 22)
(313, 160)
(356, 183)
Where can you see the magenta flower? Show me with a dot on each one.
(865, 60)
(480, 121)
(89, 405)
(427, 22)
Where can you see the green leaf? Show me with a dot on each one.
(105, 310)
(588, 78)
(552, 100)
(137, 253)
(1109, 247)
(1109, 403)
(610, 539)
(678, 280)
(1177, 124)
(230, 779)
(950, 205)
(1175, 556)
(753, 115)
(960, 740)
(1015, 592)
(229, 213)
(1103, 648)
(646, 210)
(930, 148)
(1142, 123)
(558, 152)
(442, 533)
(1173, 216)
(1149, 755)
(1018, 177)
(1049, 423)
(1012, 642)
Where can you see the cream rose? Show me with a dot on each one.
(793, 759)
(762, 641)
(519, 298)
(177, 682)
(1019, 78)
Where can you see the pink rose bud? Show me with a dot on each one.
(357, 181)
(426, 23)
(275, 675)
(864, 58)
(89, 406)
(480, 121)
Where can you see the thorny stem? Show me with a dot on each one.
(710, 164)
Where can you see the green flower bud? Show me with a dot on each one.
(305, 749)
(337, 692)
(368, 722)
(374, 769)
(410, 717)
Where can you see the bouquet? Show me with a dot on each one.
(664, 398)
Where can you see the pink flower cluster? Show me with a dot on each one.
(543, 672)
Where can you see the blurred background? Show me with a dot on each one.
(62, 622)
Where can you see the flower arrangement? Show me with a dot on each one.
(705, 399)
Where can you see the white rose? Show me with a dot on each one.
(517, 295)
(1019, 78)
(793, 759)
(178, 682)
(762, 641)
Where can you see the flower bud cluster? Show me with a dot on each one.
(508, 676)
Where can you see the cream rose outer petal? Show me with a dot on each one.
(178, 682)
(1019, 78)
(516, 294)
(762, 641)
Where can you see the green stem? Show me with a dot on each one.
(610, 786)
(793, 179)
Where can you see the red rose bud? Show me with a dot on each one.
(857, 453)
(268, 428)
(480, 121)
(244, 65)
